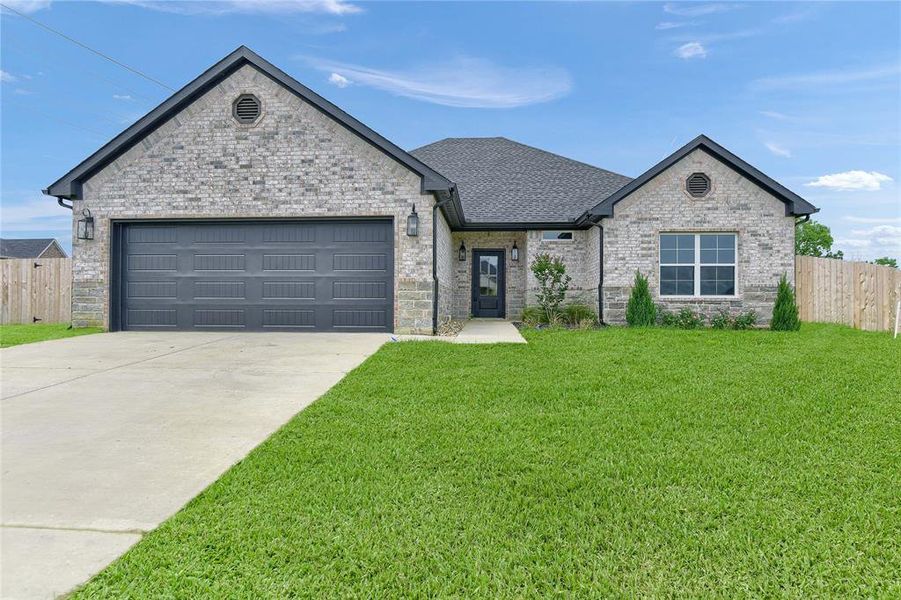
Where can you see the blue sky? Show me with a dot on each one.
(807, 92)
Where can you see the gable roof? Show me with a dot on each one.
(503, 182)
(795, 205)
(69, 185)
(27, 248)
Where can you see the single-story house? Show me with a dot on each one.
(247, 201)
(31, 248)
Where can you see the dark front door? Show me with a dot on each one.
(488, 283)
(257, 275)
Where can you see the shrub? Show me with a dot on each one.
(641, 311)
(574, 314)
(668, 319)
(550, 271)
(745, 320)
(689, 319)
(785, 312)
(722, 320)
(534, 316)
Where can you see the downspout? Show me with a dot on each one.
(435, 208)
(59, 200)
(600, 272)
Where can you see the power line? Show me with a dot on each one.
(88, 48)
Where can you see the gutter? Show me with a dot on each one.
(435, 208)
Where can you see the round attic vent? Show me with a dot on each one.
(246, 108)
(698, 185)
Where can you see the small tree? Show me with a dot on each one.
(550, 271)
(887, 262)
(641, 311)
(815, 239)
(785, 312)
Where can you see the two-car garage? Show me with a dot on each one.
(316, 275)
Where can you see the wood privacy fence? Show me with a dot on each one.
(852, 293)
(35, 290)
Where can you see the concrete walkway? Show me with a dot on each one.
(489, 331)
(105, 436)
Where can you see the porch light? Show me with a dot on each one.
(461, 253)
(413, 223)
(514, 252)
(85, 229)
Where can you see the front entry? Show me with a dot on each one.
(488, 289)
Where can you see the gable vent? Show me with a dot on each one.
(246, 108)
(698, 185)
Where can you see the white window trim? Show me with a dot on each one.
(559, 231)
(697, 264)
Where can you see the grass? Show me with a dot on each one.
(589, 463)
(13, 335)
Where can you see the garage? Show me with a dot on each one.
(314, 275)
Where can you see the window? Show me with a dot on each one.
(700, 264)
(549, 236)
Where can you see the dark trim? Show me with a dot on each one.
(69, 185)
(525, 226)
(115, 262)
(795, 205)
(600, 273)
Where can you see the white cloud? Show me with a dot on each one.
(34, 215)
(869, 181)
(663, 26)
(463, 82)
(827, 78)
(778, 150)
(225, 7)
(775, 115)
(339, 80)
(693, 9)
(123, 97)
(872, 220)
(853, 243)
(27, 6)
(23, 92)
(7, 77)
(691, 50)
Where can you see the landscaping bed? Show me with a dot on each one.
(612, 462)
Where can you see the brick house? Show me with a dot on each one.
(247, 201)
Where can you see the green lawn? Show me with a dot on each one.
(13, 335)
(588, 463)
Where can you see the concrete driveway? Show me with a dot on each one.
(105, 436)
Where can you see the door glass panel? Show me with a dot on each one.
(488, 275)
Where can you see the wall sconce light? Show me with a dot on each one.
(85, 229)
(514, 252)
(413, 223)
(461, 253)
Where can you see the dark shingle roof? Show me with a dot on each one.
(502, 181)
(24, 248)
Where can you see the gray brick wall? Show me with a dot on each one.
(515, 271)
(294, 162)
(581, 257)
(445, 263)
(765, 236)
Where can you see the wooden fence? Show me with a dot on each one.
(852, 293)
(35, 290)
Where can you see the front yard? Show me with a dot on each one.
(591, 463)
(13, 335)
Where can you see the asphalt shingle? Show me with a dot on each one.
(23, 248)
(502, 181)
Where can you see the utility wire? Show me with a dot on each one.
(88, 48)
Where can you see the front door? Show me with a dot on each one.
(488, 283)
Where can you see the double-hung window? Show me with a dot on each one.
(697, 264)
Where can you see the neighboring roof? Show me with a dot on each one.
(502, 181)
(27, 248)
(795, 205)
(69, 186)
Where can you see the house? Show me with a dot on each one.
(247, 201)
(31, 248)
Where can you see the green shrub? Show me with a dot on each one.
(684, 319)
(550, 271)
(745, 320)
(574, 314)
(785, 312)
(668, 319)
(534, 316)
(641, 311)
(722, 320)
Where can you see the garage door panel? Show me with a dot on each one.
(258, 276)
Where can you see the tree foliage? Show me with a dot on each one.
(550, 271)
(785, 311)
(886, 262)
(815, 239)
(641, 311)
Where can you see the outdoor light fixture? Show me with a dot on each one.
(86, 226)
(413, 223)
(461, 253)
(514, 252)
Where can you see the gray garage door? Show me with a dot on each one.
(298, 275)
